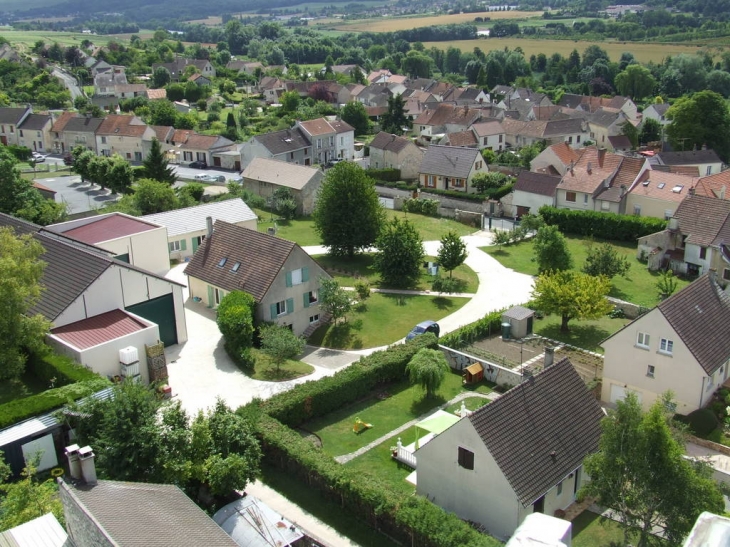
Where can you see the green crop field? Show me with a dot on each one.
(30, 37)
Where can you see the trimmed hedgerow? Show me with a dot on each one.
(386, 175)
(601, 225)
(58, 369)
(468, 334)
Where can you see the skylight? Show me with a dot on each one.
(677, 189)
(645, 183)
(235, 267)
(222, 262)
(661, 185)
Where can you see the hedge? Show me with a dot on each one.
(313, 399)
(454, 194)
(42, 403)
(601, 225)
(411, 520)
(387, 174)
(468, 334)
(58, 369)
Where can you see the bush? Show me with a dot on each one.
(466, 335)
(447, 285)
(387, 175)
(421, 206)
(22, 409)
(58, 369)
(601, 225)
(454, 194)
(701, 422)
(21, 153)
(235, 320)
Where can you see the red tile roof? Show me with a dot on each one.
(715, 186)
(111, 227)
(153, 94)
(565, 153)
(125, 126)
(60, 123)
(99, 329)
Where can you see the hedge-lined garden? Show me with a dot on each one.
(411, 520)
(601, 225)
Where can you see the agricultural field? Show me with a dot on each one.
(29, 37)
(643, 51)
(387, 24)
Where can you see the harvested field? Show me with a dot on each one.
(387, 24)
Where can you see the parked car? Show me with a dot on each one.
(201, 178)
(333, 162)
(236, 180)
(38, 157)
(198, 165)
(68, 159)
(422, 328)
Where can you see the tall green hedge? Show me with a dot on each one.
(601, 225)
(386, 174)
(313, 399)
(468, 334)
(58, 369)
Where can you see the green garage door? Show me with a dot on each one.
(161, 311)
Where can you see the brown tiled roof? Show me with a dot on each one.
(163, 132)
(153, 94)
(98, 329)
(698, 314)
(620, 142)
(659, 185)
(591, 171)
(135, 514)
(446, 113)
(316, 127)
(60, 124)
(536, 183)
(386, 141)
(204, 142)
(703, 219)
(714, 186)
(565, 152)
(110, 227)
(181, 136)
(261, 256)
(341, 127)
(487, 128)
(625, 176)
(541, 430)
(462, 138)
(126, 126)
(545, 113)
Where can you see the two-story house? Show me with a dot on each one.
(71, 130)
(605, 123)
(283, 279)
(451, 168)
(705, 160)
(178, 66)
(206, 148)
(680, 346)
(34, 132)
(556, 159)
(344, 140)
(657, 112)
(10, 119)
(445, 118)
(324, 138)
(658, 194)
(490, 135)
(264, 177)
(291, 145)
(127, 136)
(394, 152)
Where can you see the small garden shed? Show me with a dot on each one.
(474, 373)
(520, 320)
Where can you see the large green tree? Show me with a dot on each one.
(355, 114)
(156, 167)
(395, 119)
(571, 295)
(428, 368)
(400, 254)
(551, 250)
(699, 120)
(635, 81)
(28, 498)
(148, 197)
(21, 269)
(119, 174)
(604, 259)
(641, 474)
(452, 252)
(348, 215)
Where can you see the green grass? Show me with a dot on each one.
(591, 530)
(265, 369)
(403, 402)
(301, 230)
(327, 511)
(382, 319)
(25, 386)
(586, 334)
(638, 287)
(361, 266)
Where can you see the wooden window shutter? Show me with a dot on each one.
(183, 245)
(306, 299)
(273, 311)
(305, 275)
(288, 279)
(289, 305)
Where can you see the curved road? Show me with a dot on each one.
(69, 81)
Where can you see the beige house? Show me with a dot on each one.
(394, 152)
(10, 119)
(127, 136)
(282, 278)
(714, 186)
(521, 454)
(555, 159)
(264, 177)
(490, 135)
(451, 168)
(71, 130)
(658, 194)
(681, 345)
(35, 132)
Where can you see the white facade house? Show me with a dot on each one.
(521, 454)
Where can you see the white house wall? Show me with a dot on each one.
(190, 236)
(533, 201)
(147, 250)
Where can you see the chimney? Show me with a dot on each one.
(601, 156)
(209, 225)
(721, 192)
(589, 168)
(623, 190)
(88, 468)
(572, 164)
(691, 191)
(549, 356)
(72, 455)
(607, 183)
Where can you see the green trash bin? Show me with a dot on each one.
(506, 330)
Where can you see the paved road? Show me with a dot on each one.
(69, 81)
(188, 173)
(79, 198)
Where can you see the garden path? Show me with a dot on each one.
(360, 451)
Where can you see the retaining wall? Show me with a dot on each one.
(492, 371)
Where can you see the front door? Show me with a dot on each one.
(216, 161)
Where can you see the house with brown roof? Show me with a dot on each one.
(490, 135)
(555, 159)
(714, 186)
(533, 190)
(464, 139)
(10, 119)
(599, 181)
(450, 168)
(330, 139)
(190, 146)
(156, 94)
(178, 66)
(681, 345)
(445, 118)
(264, 177)
(127, 136)
(35, 132)
(604, 123)
(591, 104)
(394, 152)
(283, 279)
(658, 194)
(292, 145)
(521, 454)
(518, 133)
(696, 241)
(71, 130)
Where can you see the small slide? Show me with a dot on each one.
(360, 426)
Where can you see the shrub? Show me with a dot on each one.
(601, 225)
(454, 194)
(487, 325)
(362, 288)
(421, 206)
(701, 422)
(58, 369)
(447, 285)
(21, 153)
(387, 174)
(236, 323)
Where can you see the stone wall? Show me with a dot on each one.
(448, 206)
(632, 311)
(82, 528)
(492, 372)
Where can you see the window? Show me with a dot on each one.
(21, 132)
(199, 240)
(174, 246)
(637, 210)
(306, 151)
(236, 266)
(466, 458)
(585, 199)
(218, 294)
(319, 143)
(310, 298)
(314, 319)
(342, 141)
(642, 340)
(138, 156)
(38, 134)
(222, 262)
(332, 141)
(604, 205)
(577, 139)
(726, 274)
(187, 156)
(650, 371)
(103, 140)
(280, 307)
(500, 138)
(709, 170)
(200, 156)
(129, 156)
(297, 277)
(570, 196)
(703, 253)
(560, 488)
(570, 140)
(291, 155)
(12, 129)
(457, 183)
(666, 346)
(430, 181)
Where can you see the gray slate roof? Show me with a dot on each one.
(192, 219)
(387, 141)
(281, 142)
(261, 256)
(35, 122)
(689, 157)
(541, 430)
(448, 161)
(82, 123)
(699, 314)
(537, 183)
(705, 221)
(11, 115)
(135, 514)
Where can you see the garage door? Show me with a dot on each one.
(161, 311)
(618, 393)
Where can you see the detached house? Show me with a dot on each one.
(178, 66)
(450, 168)
(533, 190)
(71, 130)
(10, 119)
(522, 453)
(35, 132)
(127, 136)
(490, 135)
(292, 145)
(392, 151)
(681, 345)
(282, 278)
(191, 146)
(264, 177)
(330, 140)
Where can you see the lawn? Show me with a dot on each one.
(590, 530)
(329, 512)
(26, 386)
(265, 369)
(382, 319)
(386, 411)
(301, 230)
(347, 270)
(639, 287)
(586, 334)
